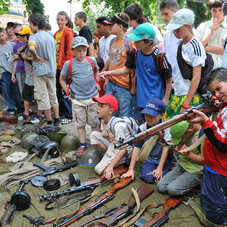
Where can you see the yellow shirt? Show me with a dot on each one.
(58, 37)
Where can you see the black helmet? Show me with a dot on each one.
(34, 146)
(27, 139)
(70, 143)
(91, 156)
(52, 146)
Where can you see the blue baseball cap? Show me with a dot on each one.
(142, 31)
(154, 107)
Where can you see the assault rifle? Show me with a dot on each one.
(208, 106)
(162, 217)
(11, 120)
(91, 184)
(21, 200)
(143, 192)
(102, 199)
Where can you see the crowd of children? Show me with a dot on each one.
(122, 77)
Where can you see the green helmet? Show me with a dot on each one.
(56, 136)
(70, 143)
(27, 139)
(27, 129)
(91, 156)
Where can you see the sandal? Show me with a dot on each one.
(65, 121)
(80, 151)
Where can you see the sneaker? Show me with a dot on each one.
(31, 112)
(46, 123)
(80, 151)
(37, 120)
(65, 121)
(57, 122)
(24, 117)
(6, 108)
(12, 113)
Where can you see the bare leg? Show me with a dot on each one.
(56, 112)
(82, 135)
(96, 128)
(48, 114)
(27, 106)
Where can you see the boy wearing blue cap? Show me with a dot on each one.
(188, 173)
(159, 161)
(149, 81)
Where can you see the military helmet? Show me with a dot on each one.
(27, 129)
(34, 146)
(91, 156)
(52, 146)
(27, 139)
(56, 136)
(70, 143)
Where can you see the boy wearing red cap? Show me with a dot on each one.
(106, 139)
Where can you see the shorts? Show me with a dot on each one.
(28, 93)
(85, 112)
(45, 92)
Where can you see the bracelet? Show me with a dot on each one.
(185, 106)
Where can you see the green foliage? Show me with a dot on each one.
(4, 6)
(34, 6)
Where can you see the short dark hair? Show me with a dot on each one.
(10, 25)
(2, 30)
(169, 4)
(100, 20)
(37, 20)
(219, 74)
(135, 12)
(215, 4)
(47, 26)
(100, 63)
(69, 23)
(81, 15)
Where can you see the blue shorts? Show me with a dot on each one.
(214, 197)
(147, 168)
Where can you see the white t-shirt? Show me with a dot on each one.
(194, 54)
(104, 46)
(158, 38)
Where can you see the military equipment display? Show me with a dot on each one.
(104, 198)
(87, 185)
(70, 143)
(91, 156)
(34, 146)
(43, 130)
(143, 192)
(56, 136)
(11, 120)
(27, 139)
(40, 220)
(52, 146)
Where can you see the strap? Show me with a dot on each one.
(70, 76)
(146, 148)
(159, 61)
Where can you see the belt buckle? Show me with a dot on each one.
(187, 200)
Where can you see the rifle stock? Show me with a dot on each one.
(169, 205)
(5, 219)
(96, 203)
(204, 107)
(91, 184)
(11, 120)
(143, 192)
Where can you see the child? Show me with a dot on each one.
(185, 91)
(149, 82)
(159, 161)
(119, 85)
(170, 42)
(188, 173)
(83, 89)
(105, 140)
(214, 191)
(80, 21)
(10, 90)
(63, 37)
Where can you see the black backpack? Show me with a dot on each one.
(186, 69)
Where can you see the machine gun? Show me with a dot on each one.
(143, 192)
(162, 217)
(208, 106)
(21, 200)
(87, 185)
(102, 199)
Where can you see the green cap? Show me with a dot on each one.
(143, 31)
(177, 131)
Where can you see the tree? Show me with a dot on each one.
(4, 6)
(34, 6)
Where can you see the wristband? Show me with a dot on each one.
(185, 106)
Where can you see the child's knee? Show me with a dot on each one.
(99, 169)
(148, 178)
(94, 137)
(161, 187)
(173, 190)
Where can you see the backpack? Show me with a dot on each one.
(186, 70)
(158, 61)
(71, 71)
(132, 124)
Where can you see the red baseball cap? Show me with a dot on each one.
(108, 99)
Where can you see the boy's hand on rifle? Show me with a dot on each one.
(129, 173)
(199, 117)
(109, 172)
